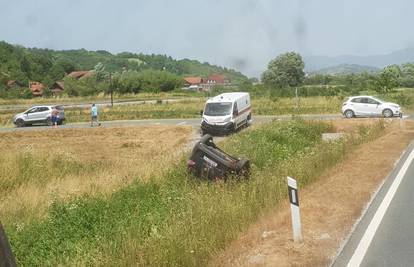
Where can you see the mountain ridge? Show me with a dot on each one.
(316, 62)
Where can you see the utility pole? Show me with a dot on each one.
(297, 99)
(112, 89)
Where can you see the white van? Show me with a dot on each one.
(226, 113)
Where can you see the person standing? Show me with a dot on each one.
(94, 115)
(55, 116)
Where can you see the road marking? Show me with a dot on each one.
(369, 234)
(182, 123)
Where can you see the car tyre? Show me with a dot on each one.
(387, 113)
(20, 123)
(349, 114)
(49, 122)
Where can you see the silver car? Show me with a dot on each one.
(38, 115)
(368, 106)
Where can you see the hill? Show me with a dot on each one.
(46, 65)
(346, 69)
(314, 63)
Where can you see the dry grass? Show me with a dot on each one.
(62, 163)
(348, 186)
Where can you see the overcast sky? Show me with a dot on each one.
(243, 34)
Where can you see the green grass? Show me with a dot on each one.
(176, 220)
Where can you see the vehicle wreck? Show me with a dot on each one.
(207, 161)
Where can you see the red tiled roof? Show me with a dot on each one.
(80, 74)
(193, 80)
(217, 78)
(36, 88)
(60, 85)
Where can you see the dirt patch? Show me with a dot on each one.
(348, 187)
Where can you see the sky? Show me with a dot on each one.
(241, 34)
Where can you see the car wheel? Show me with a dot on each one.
(387, 113)
(20, 123)
(349, 114)
(49, 122)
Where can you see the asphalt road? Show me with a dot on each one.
(98, 103)
(385, 234)
(195, 122)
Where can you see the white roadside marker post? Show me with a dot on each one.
(294, 208)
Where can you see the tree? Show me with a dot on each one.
(407, 75)
(388, 78)
(286, 70)
(100, 72)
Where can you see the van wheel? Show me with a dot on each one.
(20, 123)
(349, 114)
(387, 113)
(249, 117)
(49, 122)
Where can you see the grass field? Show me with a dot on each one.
(138, 212)
(39, 167)
(96, 98)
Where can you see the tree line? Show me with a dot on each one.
(285, 73)
(48, 66)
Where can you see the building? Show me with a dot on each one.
(36, 88)
(57, 87)
(193, 83)
(203, 84)
(13, 84)
(80, 74)
(215, 80)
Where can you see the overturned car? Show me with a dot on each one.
(207, 161)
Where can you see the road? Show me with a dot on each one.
(100, 103)
(385, 236)
(195, 122)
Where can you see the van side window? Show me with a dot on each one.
(235, 109)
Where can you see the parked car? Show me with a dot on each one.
(38, 115)
(210, 162)
(368, 106)
(226, 113)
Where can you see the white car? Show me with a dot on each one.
(38, 114)
(369, 106)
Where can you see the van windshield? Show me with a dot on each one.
(218, 109)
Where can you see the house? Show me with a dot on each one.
(57, 87)
(36, 88)
(193, 83)
(80, 74)
(13, 84)
(217, 79)
(202, 84)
